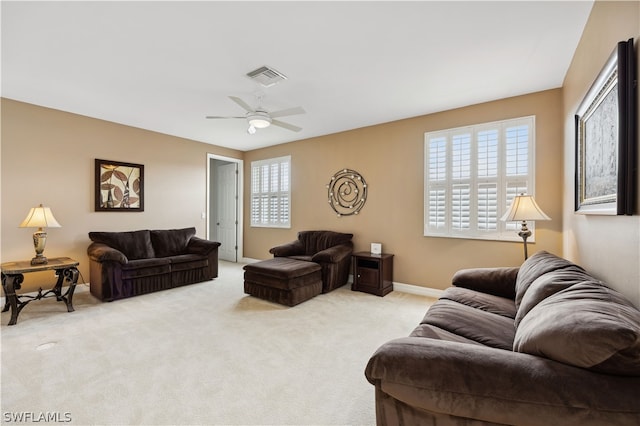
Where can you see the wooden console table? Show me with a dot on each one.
(13, 275)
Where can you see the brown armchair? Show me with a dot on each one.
(331, 250)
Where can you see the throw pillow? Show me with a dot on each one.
(548, 284)
(586, 325)
(133, 244)
(535, 266)
(171, 242)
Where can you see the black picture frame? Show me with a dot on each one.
(606, 138)
(119, 186)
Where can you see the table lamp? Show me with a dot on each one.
(524, 208)
(40, 217)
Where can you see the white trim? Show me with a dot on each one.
(418, 290)
(240, 203)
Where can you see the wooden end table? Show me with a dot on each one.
(13, 275)
(373, 273)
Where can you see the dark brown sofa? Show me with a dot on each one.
(125, 264)
(331, 250)
(543, 344)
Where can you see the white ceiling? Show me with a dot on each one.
(164, 66)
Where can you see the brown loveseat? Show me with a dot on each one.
(545, 344)
(331, 250)
(125, 264)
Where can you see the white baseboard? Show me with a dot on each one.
(419, 290)
(412, 289)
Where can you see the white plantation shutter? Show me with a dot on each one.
(472, 175)
(271, 192)
(487, 215)
(460, 208)
(437, 176)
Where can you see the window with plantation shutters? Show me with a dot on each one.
(472, 175)
(271, 192)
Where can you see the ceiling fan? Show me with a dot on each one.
(259, 118)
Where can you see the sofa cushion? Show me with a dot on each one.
(315, 241)
(133, 244)
(477, 299)
(548, 284)
(171, 242)
(433, 332)
(185, 262)
(537, 265)
(474, 324)
(586, 325)
(145, 268)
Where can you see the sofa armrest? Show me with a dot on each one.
(495, 385)
(497, 281)
(102, 253)
(294, 248)
(197, 245)
(333, 254)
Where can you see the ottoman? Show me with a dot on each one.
(283, 280)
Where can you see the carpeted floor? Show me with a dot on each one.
(205, 354)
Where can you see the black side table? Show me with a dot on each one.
(373, 273)
(13, 275)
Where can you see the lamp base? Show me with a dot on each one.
(524, 234)
(39, 260)
(39, 242)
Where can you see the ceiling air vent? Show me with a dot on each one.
(266, 76)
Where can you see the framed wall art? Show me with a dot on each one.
(606, 139)
(119, 186)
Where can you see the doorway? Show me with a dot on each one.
(224, 205)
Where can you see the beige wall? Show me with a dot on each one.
(609, 246)
(390, 157)
(48, 157)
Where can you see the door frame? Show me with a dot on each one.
(240, 200)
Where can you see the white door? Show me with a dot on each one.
(227, 211)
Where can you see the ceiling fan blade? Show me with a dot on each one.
(242, 103)
(217, 116)
(286, 125)
(289, 111)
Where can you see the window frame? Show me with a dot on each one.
(260, 194)
(439, 181)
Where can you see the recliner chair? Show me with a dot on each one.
(331, 250)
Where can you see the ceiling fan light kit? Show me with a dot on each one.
(259, 119)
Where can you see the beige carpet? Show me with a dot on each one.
(205, 354)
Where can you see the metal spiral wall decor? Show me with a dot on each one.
(347, 192)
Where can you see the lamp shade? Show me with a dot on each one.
(524, 207)
(40, 217)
